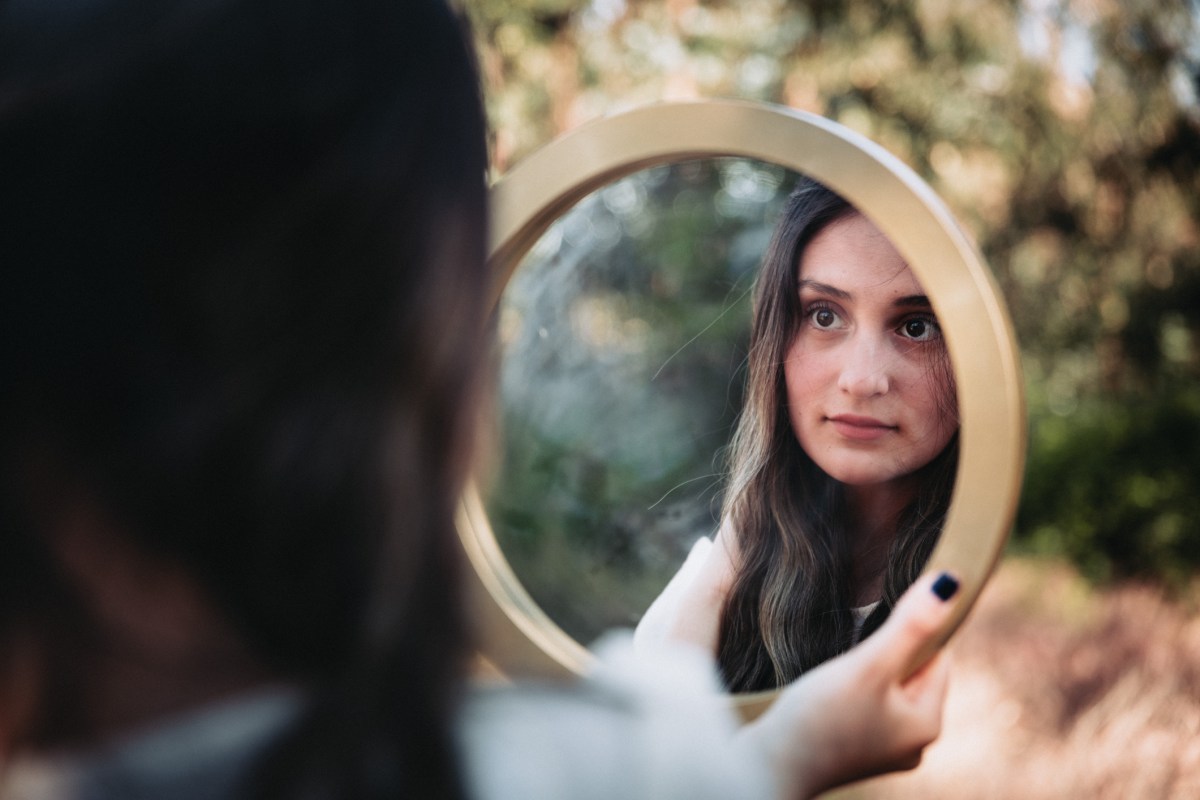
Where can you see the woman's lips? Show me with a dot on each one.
(863, 429)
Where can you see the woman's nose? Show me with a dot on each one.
(864, 372)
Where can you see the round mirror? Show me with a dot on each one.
(623, 338)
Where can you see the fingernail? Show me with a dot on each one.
(945, 586)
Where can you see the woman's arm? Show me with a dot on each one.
(860, 714)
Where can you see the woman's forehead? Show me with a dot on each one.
(851, 257)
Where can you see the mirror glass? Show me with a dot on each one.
(624, 336)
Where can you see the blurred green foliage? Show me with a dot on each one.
(1114, 487)
(1065, 134)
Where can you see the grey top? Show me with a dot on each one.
(203, 755)
(639, 727)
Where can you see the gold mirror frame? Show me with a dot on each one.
(516, 637)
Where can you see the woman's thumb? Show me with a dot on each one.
(910, 637)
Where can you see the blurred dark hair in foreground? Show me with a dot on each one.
(243, 252)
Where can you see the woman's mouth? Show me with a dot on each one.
(853, 426)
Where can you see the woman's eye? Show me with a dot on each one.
(920, 329)
(824, 318)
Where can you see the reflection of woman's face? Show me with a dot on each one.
(862, 375)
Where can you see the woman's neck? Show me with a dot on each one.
(874, 519)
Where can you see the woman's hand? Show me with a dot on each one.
(857, 715)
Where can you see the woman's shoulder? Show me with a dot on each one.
(689, 608)
(658, 620)
(207, 753)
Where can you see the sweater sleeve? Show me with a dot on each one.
(653, 726)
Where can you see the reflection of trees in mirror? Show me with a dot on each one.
(623, 334)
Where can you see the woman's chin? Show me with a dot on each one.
(863, 476)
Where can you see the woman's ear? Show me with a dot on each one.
(149, 640)
(21, 689)
(137, 600)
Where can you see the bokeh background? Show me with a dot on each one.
(1065, 135)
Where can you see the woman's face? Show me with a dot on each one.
(869, 396)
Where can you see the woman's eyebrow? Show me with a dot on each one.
(824, 288)
(908, 301)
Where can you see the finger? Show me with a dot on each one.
(926, 691)
(916, 711)
(917, 618)
(933, 677)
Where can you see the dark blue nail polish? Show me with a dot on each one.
(945, 586)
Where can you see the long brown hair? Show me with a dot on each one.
(244, 250)
(789, 607)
